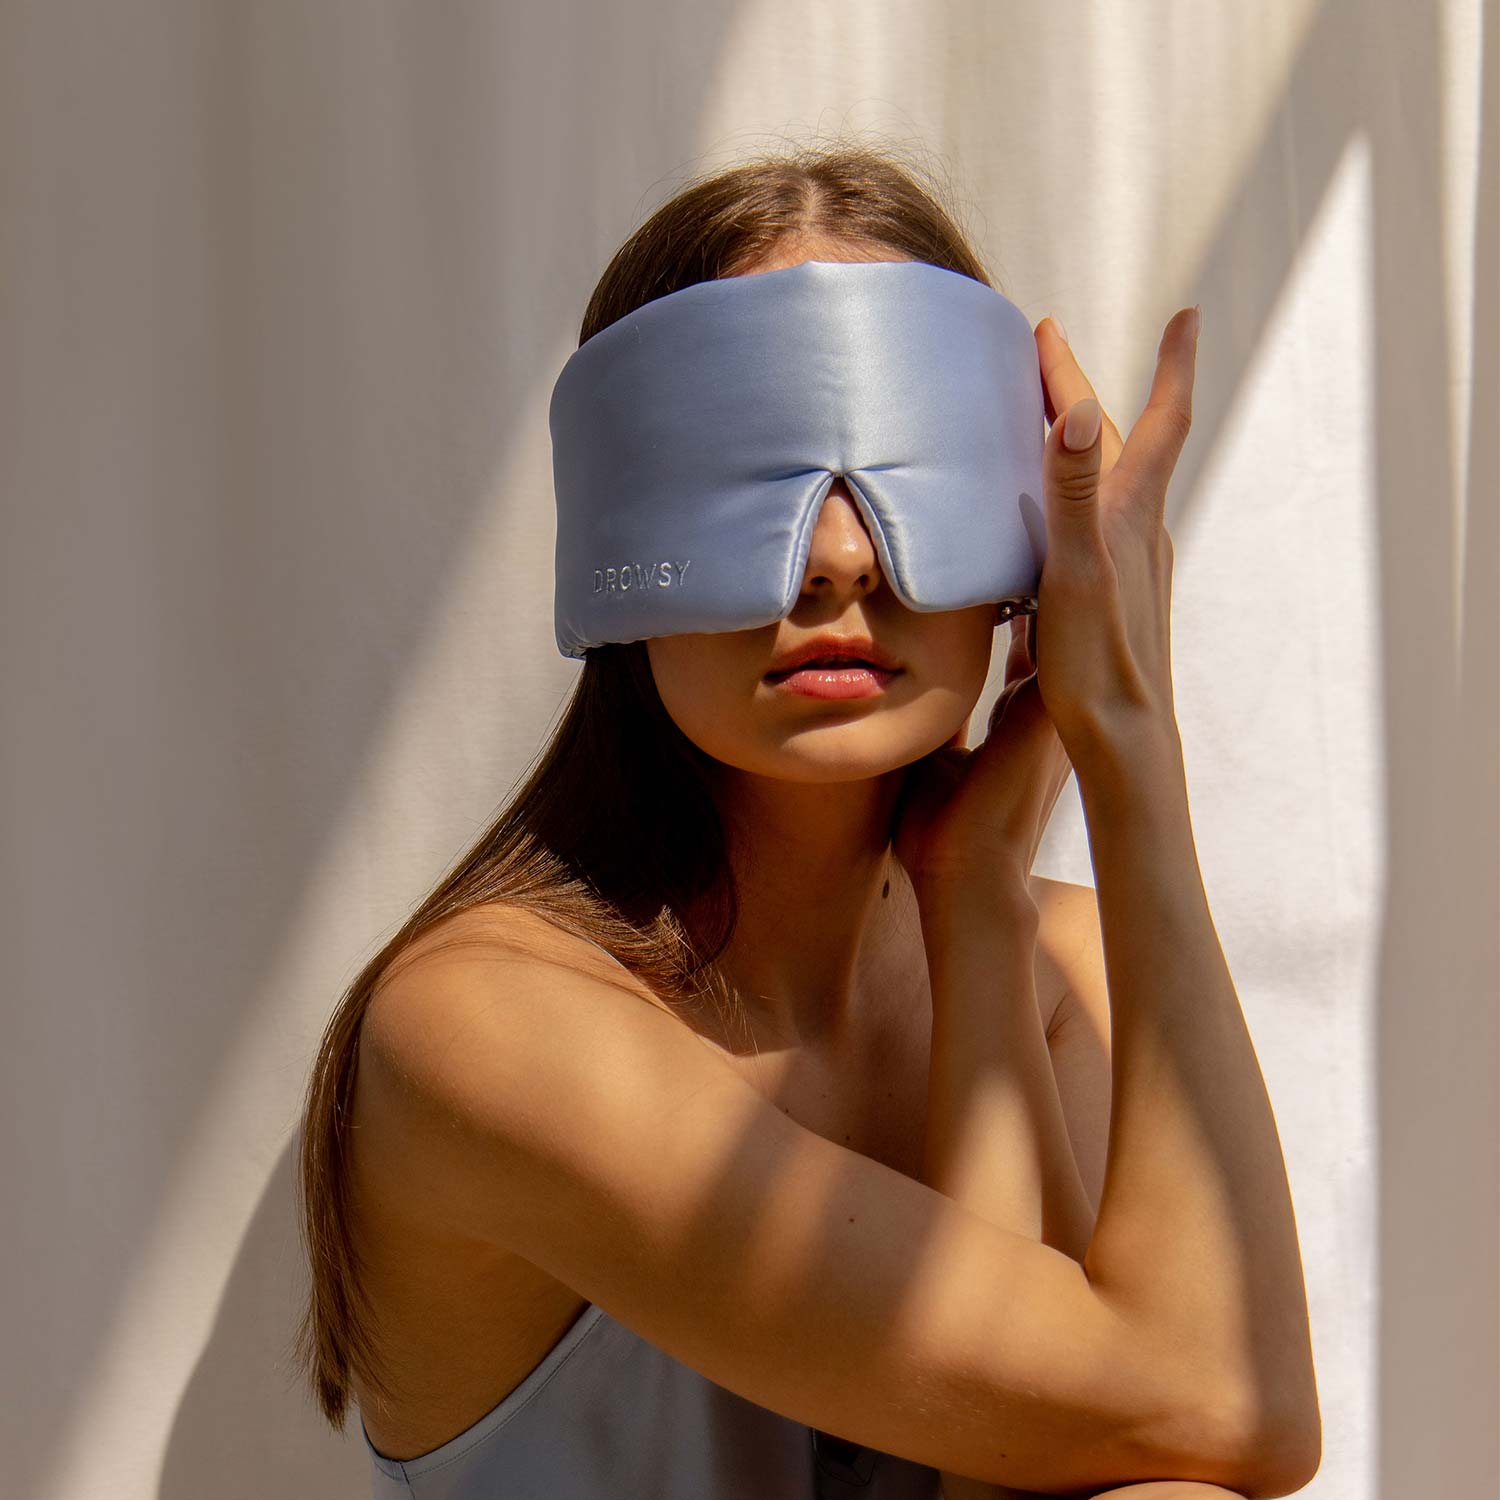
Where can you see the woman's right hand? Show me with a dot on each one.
(1102, 630)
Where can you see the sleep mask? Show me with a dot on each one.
(693, 442)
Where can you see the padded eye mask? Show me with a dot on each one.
(694, 440)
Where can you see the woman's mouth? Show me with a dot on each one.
(850, 679)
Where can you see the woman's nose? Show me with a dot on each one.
(842, 555)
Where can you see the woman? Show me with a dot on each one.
(748, 1022)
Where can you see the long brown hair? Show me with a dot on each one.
(613, 837)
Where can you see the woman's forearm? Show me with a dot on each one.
(997, 1139)
(1195, 1237)
(1194, 1244)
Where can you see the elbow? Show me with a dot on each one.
(1267, 1451)
(1255, 1433)
(1280, 1465)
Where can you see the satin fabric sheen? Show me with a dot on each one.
(695, 439)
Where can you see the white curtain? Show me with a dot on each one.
(283, 289)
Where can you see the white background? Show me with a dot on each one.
(283, 290)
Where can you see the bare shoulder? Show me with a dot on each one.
(1070, 946)
(1069, 912)
(501, 931)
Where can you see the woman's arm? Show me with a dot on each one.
(1196, 1229)
(996, 1137)
(1195, 1237)
(1071, 954)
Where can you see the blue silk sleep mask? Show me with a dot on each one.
(694, 440)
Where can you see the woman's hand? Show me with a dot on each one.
(1092, 671)
(965, 813)
(1103, 636)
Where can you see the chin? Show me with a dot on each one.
(804, 760)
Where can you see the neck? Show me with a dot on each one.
(811, 861)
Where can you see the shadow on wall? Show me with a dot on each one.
(247, 1428)
(283, 281)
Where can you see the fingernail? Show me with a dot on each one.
(1081, 425)
(1057, 323)
(1197, 321)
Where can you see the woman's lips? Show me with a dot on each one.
(834, 682)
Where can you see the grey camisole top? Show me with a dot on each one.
(607, 1416)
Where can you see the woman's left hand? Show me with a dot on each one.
(963, 810)
(967, 814)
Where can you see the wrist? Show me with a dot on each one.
(1141, 758)
(956, 901)
(1140, 802)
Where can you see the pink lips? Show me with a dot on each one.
(835, 682)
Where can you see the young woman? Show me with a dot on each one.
(740, 1117)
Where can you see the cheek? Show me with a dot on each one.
(697, 690)
(963, 656)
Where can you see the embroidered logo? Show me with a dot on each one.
(631, 576)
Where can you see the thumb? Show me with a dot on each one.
(1070, 472)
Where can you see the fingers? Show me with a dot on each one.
(1019, 698)
(1018, 656)
(1150, 455)
(1070, 479)
(1064, 383)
